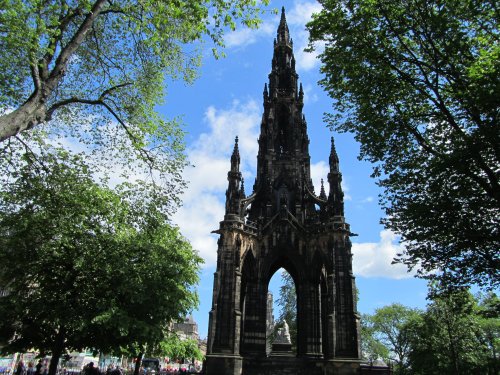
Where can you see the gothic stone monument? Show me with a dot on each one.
(284, 224)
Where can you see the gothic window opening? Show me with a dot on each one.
(282, 136)
(281, 308)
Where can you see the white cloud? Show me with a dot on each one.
(204, 198)
(197, 218)
(319, 171)
(245, 36)
(367, 200)
(372, 259)
(302, 12)
(297, 18)
(309, 95)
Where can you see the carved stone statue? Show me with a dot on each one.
(286, 331)
(283, 335)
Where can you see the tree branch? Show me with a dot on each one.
(494, 185)
(111, 89)
(35, 76)
(28, 150)
(63, 22)
(71, 47)
(100, 102)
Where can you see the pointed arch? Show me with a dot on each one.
(248, 275)
(291, 264)
(250, 300)
(286, 262)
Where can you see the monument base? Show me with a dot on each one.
(290, 365)
(223, 364)
(281, 348)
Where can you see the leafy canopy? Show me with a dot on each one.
(93, 72)
(456, 334)
(417, 82)
(389, 325)
(452, 337)
(178, 349)
(371, 346)
(83, 266)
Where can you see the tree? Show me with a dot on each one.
(176, 348)
(448, 339)
(371, 347)
(75, 56)
(84, 266)
(489, 323)
(389, 326)
(417, 83)
(93, 71)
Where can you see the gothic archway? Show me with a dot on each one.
(282, 307)
(249, 303)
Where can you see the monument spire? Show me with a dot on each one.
(283, 34)
(282, 223)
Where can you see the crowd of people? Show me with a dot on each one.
(31, 368)
(41, 368)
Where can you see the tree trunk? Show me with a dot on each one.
(137, 364)
(30, 114)
(57, 351)
(453, 350)
(34, 111)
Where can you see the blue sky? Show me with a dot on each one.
(226, 101)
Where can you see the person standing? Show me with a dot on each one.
(30, 370)
(38, 367)
(20, 368)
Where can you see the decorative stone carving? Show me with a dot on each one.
(283, 335)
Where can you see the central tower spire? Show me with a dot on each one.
(283, 161)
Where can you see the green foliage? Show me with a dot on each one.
(388, 327)
(84, 266)
(449, 338)
(417, 82)
(371, 347)
(457, 334)
(489, 323)
(175, 348)
(93, 73)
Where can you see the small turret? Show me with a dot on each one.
(322, 193)
(334, 158)
(233, 192)
(336, 195)
(235, 157)
(300, 99)
(242, 189)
